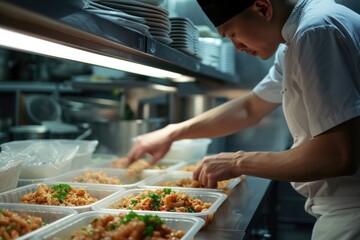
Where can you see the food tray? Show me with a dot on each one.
(189, 225)
(50, 215)
(99, 191)
(155, 182)
(215, 198)
(121, 174)
(98, 158)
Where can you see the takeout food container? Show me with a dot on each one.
(83, 156)
(190, 225)
(126, 180)
(49, 214)
(188, 150)
(101, 192)
(215, 198)
(157, 182)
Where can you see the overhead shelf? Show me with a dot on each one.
(112, 41)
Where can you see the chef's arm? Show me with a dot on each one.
(333, 153)
(225, 119)
(230, 117)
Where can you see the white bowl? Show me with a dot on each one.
(84, 154)
(188, 150)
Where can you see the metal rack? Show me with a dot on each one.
(33, 19)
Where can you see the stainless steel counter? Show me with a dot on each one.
(233, 220)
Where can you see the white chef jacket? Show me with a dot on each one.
(316, 76)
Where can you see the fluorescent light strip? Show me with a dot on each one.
(24, 42)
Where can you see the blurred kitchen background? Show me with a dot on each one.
(44, 97)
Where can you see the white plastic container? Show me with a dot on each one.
(83, 156)
(156, 182)
(125, 180)
(215, 198)
(50, 215)
(190, 225)
(188, 150)
(46, 158)
(10, 167)
(101, 192)
(9, 178)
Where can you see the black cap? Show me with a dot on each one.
(220, 11)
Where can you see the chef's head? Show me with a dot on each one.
(220, 11)
(249, 24)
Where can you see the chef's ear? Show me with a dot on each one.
(263, 8)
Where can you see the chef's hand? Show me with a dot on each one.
(222, 166)
(156, 143)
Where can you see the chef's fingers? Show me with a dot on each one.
(156, 157)
(134, 154)
(196, 172)
(202, 178)
(138, 150)
(211, 182)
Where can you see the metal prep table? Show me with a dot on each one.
(243, 212)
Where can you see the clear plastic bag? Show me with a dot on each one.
(44, 158)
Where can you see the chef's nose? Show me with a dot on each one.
(239, 46)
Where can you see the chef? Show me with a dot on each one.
(316, 79)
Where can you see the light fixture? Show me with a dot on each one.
(19, 41)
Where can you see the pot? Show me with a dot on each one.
(193, 105)
(116, 137)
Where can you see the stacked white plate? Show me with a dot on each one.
(185, 35)
(227, 63)
(119, 17)
(210, 51)
(155, 17)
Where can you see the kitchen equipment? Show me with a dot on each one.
(25, 132)
(116, 136)
(5, 123)
(42, 108)
(193, 105)
(88, 109)
(45, 110)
